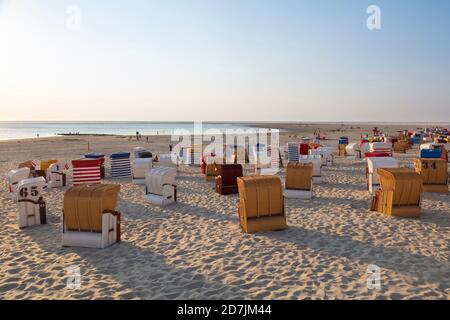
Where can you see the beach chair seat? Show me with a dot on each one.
(87, 171)
(56, 177)
(434, 174)
(373, 164)
(140, 168)
(90, 218)
(226, 175)
(160, 186)
(120, 165)
(299, 181)
(31, 207)
(169, 160)
(316, 161)
(381, 147)
(261, 204)
(14, 177)
(400, 193)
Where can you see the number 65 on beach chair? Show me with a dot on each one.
(90, 218)
(261, 204)
(31, 204)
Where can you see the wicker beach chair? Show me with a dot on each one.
(299, 181)
(56, 177)
(30, 202)
(434, 173)
(226, 175)
(400, 193)
(261, 204)
(14, 177)
(90, 218)
(140, 167)
(160, 188)
(373, 164)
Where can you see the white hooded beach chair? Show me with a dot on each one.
(373, 164)
(326, 153)
(30, 202)
(14, 177)
(160, 186)
(140, 168)
(56, 176)
(266, 161)
(317, 166)
(381, 147)
(353, 151)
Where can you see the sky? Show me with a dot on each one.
(227, 60)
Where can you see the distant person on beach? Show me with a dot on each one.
(37, 135)
(146, 138)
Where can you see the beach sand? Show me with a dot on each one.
(194, 249)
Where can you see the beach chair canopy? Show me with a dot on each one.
(299, 176)
(84, 206)
(261, 196)
(157, 177)
(405, 184)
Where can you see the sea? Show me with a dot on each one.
(30, 129)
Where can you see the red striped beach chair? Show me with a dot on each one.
(86, 171)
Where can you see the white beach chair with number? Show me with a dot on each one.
(30, 202)
(14, 177)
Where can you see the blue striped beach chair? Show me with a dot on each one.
(120, 165)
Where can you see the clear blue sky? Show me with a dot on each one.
(296, 60)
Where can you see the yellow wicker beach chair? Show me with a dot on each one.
(89, 216)
(299, 180)
(400, 193)
(434, 173)
(261, 204)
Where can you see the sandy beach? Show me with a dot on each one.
(195, 249)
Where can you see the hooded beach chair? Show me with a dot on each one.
(326, 153)
(86, 171)
(14, 177)
(90, 218)
(381, 147)
(226, 175)
(210, 162)
(401, 146)
(261, 204)
(352, 151)
(101, 158)
(400, 193)
(30, 202)
(373, 164)
(120, 165)
(293, 152)
(266, 161)
(160, 188)
(140, 168)
(316, 161)
(56, 176)
(434, 174)
(45, 164)
(299, 181)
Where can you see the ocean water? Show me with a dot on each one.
(24, 130)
